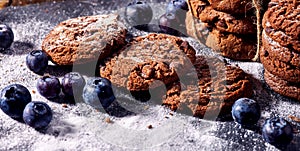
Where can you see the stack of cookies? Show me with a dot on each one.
(280, 52)
(229, 27)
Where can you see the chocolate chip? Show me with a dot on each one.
(266, 53)
(222, 24)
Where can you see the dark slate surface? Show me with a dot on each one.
(31, 23)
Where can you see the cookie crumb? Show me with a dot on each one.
(294, 118)
(171, 114)
(64, 105)
(33, 91)
(146, 107)
(108, 120)
(150, 126)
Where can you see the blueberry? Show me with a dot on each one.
(179, 8)
(246, 112)
(169, 23)
(48, 86)
(37, 114)
(138, 14)
(14, 98)
(6, 37)
(72, 84)
(98, 92)
(177, 5)
(277, 131)
(37, 61)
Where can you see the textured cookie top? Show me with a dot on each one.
(84, 39)
(216, 89)
(281, 86)
(232, 6)
(146, 59)
(282, 22)
(284, 70)
(239, 24)
(275, 50)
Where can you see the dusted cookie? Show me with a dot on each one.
(238, 47)
(284, 70)
(84, 39)
(275, 50)
(232, 6)
(217, 87)
(147, 59)
(282, 22)
(283, 87)
(234, 46)
(239, 24)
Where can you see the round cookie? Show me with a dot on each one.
(284, 70)
(239, 24)
(84, 39)
(282, 23)
(275, 50)
(232, 6)
(282, 87)
(217, 88)
(234, 46)
(147, 59)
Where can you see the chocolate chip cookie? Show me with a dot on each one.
(84, 39)
(282, 23)
(217, 87)
(149, 58)
(224, 22)
(282, 87)
(275, 50)
(284, 70)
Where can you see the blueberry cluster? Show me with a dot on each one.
(139, 14)
(71, 85)
(97, 91)
(275, 130)
(6, 37)
(16, 103)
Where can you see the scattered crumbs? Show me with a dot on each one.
(171, 114)
(146, 107)
(294, 118)
(46, 74)
(107, 120)
(33, 91)
(150, 126)
(166, 117)
(64, 105)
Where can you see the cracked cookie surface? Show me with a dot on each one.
(84, 39)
